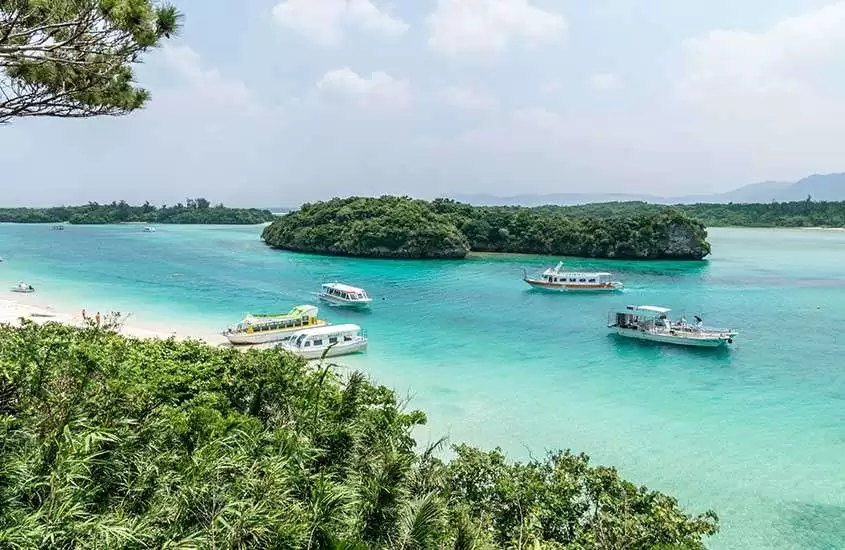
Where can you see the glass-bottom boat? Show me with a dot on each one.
(555, 278)
(262, 328)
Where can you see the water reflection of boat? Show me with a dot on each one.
(652, 323)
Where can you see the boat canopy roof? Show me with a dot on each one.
(342, 287)
(557, 270)
(329, 329)
(295, 313)
(645, 310)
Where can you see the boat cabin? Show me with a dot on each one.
(323, 337)
(574, 278)
(640, 317)
(345, 292)
(298, 317)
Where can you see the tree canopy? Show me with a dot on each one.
(805, 213)
(107, 442)
(73, 58)
(404, 227)
(194, 211)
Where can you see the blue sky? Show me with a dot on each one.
(274, 102)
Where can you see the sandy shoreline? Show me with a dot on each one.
(37, 309)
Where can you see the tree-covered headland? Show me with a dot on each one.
(108, 442)
(807, 213)
(401, 227)
(194, 211)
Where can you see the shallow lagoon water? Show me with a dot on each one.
(756, 433)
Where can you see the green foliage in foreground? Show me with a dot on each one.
(404, 227)
(774, 214)
(196, 211)
(110, 443)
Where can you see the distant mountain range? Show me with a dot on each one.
(821, 187)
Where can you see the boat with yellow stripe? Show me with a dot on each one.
(555, 278)
(262, 328)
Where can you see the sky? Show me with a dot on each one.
(277, 102)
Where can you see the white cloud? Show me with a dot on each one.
(773, 96)
(379, 90)
(207, 83)
(467, 98)
(781, 60)
(604, 81)
(488, 26)
(324, 20)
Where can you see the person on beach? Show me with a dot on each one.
(84, 314)
(98, 318)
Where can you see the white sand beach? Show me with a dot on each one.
(39, 310)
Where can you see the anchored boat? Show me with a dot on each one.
(330, 341)
(23, 288)
(262, 328)
(555, 278)
(339, 294)
(653, 323)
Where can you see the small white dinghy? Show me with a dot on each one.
(23, 288)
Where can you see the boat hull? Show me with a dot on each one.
(340, 302)
(566, 287)
(715, 341)
(343, 348)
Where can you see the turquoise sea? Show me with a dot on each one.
(756, 433)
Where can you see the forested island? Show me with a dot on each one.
(401, 227)
(807, 213)
(194, 211)
(108, 442)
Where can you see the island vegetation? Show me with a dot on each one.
(806, 213)
(108, 442)
(194, 211)
(401, 227)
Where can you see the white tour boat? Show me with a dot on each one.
(330, 341)
(555, 278)
(23, 288)
(262, 328)
(149, 230)
(653, 323)
(344, 295)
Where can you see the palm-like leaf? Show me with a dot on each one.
(420, 524)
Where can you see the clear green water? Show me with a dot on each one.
(757, 433)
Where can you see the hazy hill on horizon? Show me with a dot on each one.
(821, 187)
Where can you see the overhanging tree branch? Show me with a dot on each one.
(72, 58)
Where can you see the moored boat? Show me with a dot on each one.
(339, 294)
(262, 328)
(329, 341)
(652, 323)
(58, 227)
(149, 230)
(23, 287)
(555, 278)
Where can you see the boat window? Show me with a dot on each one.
(333, 340)
(582, 280)
(571, 280)
(592, 280)
(307, 345)
(318, 342)
(347, 338)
